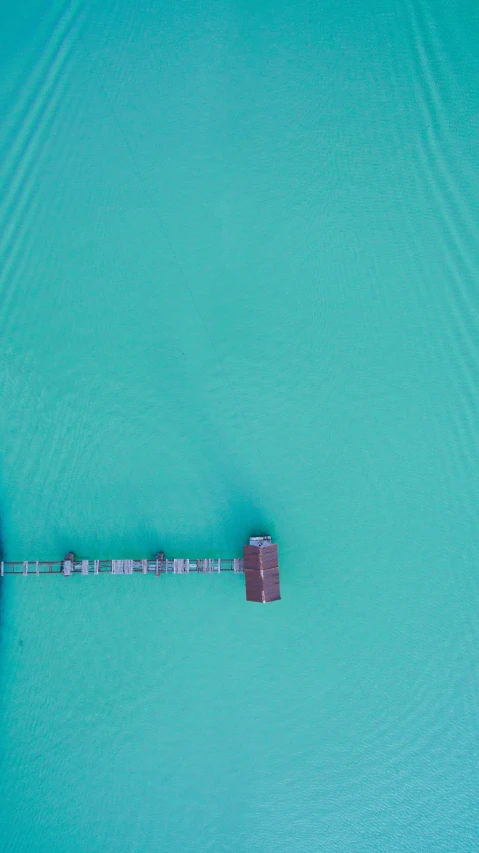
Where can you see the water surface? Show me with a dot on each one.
(239, 250)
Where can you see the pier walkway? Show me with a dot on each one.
(120, 567)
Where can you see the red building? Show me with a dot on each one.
(261, 570)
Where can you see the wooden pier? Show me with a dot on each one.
(259, 565)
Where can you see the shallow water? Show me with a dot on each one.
(239, 270)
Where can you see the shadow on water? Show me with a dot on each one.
(240, 508)
(242, 512)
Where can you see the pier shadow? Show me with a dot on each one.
(242, 512)
(240, 517)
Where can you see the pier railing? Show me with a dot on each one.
(120, 567)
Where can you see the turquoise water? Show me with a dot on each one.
(239, 250)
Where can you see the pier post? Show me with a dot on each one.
(68, 564)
